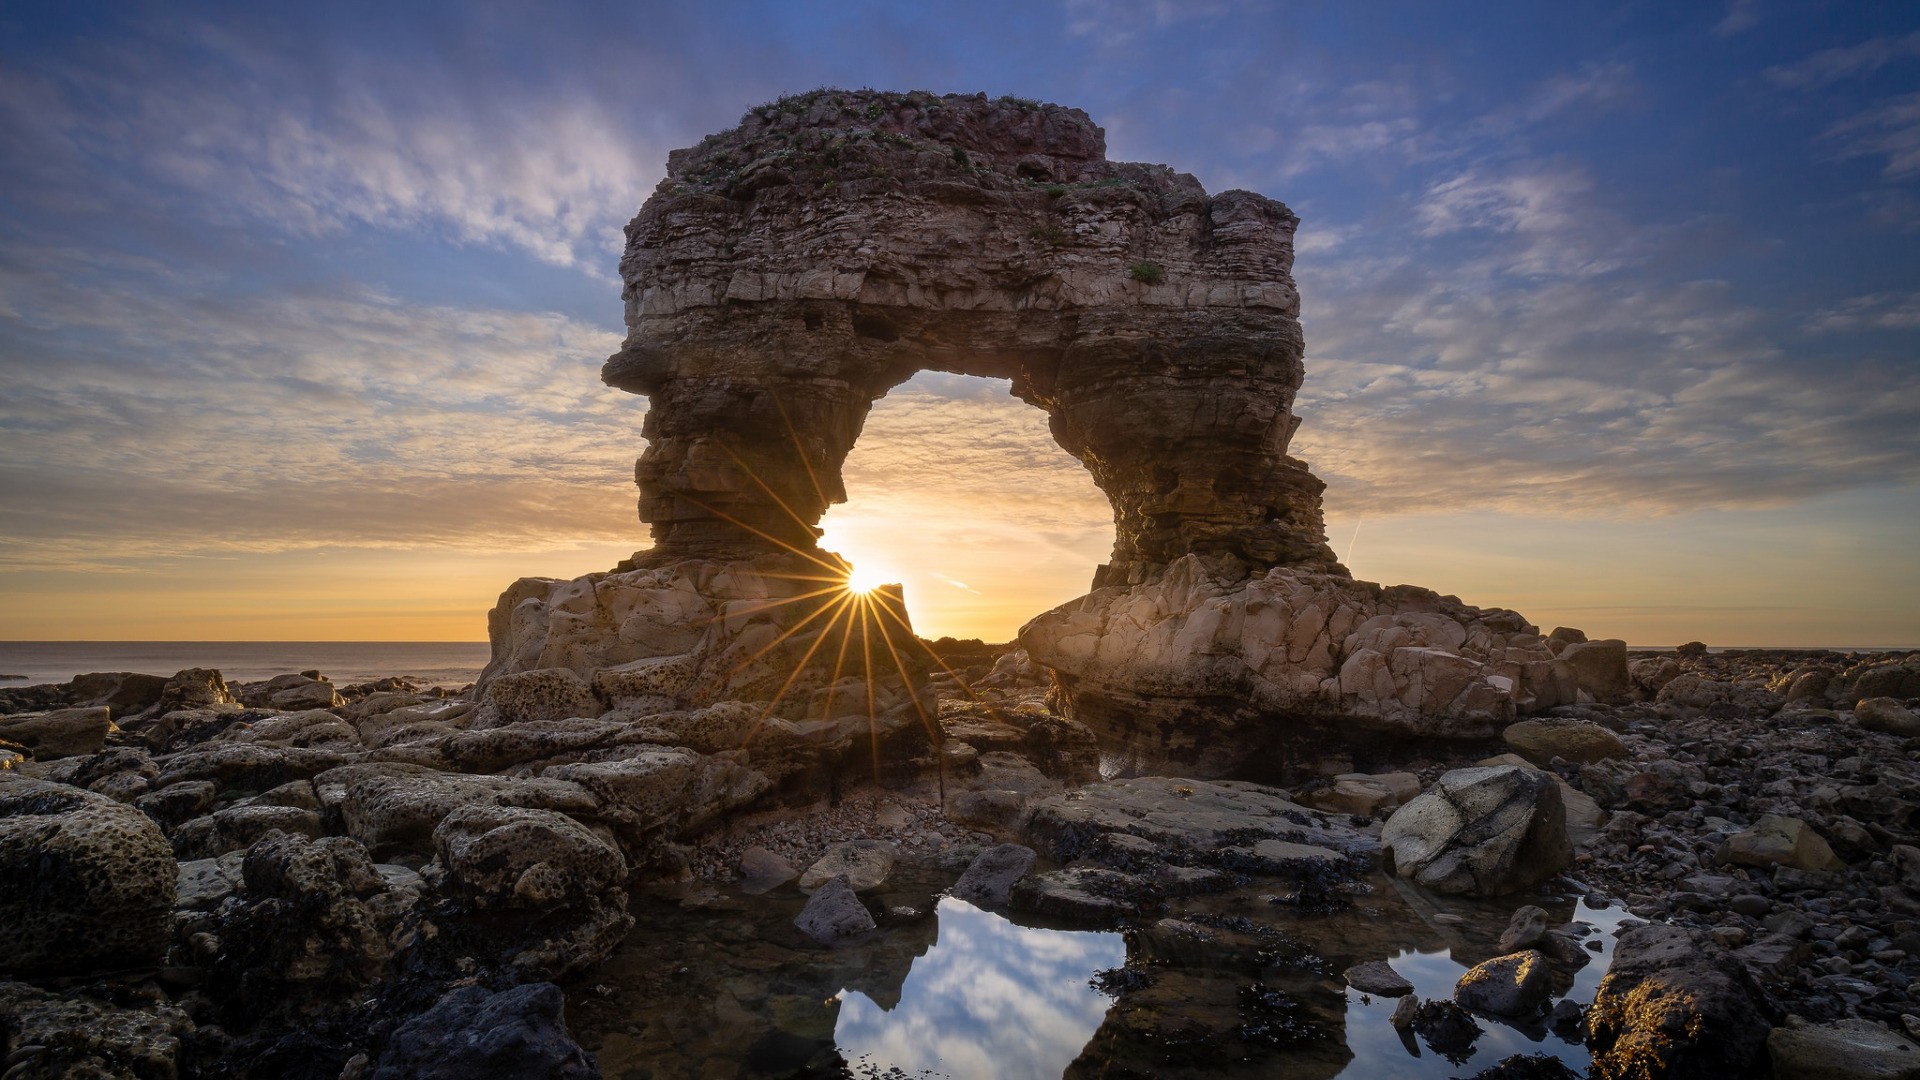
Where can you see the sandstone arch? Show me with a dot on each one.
(791, 271)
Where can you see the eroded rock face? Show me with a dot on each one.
(768, 654)
(790, 271)
(86, 883)
(1204, 666)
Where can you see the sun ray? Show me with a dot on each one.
(773, 605)
(931, 724)
(866, 653)
(771, 645)
(965, 687)
(804, 660)
(771, 494)
(769, 537)
(800, 451)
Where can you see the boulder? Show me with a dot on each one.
(538, 890)
(519, 857)
(206, 882)
(1693, 692)
(246, 766)
(476, 1034)
(1378, 978)
(306, 694)
(1875, 714)
(1358, 795)
(1600, 668)
(394, 813)
(1304, 656)
(236, 828)
(177, 803)
(990, 878)
(86, 883)
(193, 688)
(73, 1036)
(313, 920)
(1843, 1050)
(1781, 841)
(834, 913)
(864, 864)
(651, 789)
(1197, 816)
(543, 694)
(307, 727)
(1513, 985)
(1677, 1006)
(764, 871)
(1651, 675)
(1082, 894)
(122, 773)
(1524, 930)
(62, 733)
(1900, 680)
(122, 692)
(1481, 832)
(1578, 741)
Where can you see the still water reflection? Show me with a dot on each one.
(1379, 1052)
(716, 985)
(991, 999)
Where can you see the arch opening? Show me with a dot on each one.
(959, 491)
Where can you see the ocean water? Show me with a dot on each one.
(440, 663)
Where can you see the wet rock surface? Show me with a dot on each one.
(1481, 832)
(518, 1034)
(1677, 1005)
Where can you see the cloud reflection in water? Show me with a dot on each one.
(990, 1000)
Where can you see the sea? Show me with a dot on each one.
(435, 663)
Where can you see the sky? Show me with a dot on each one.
(1612, 311)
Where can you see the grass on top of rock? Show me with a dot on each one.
(1146, 272)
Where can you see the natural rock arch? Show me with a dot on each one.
(791, 271)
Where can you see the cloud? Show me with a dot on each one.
(1892, 128)
(1831, 65)
(144, 418)
(1741, 16)
(1542, 217)
(1117, 22)
(1878, 311)
(250, 132)
(1588, 396)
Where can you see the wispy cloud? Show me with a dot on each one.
(1878, 311)
(1741, 16)
(1890, 128)
(148, 420)
(552, 174)
(1831, 65)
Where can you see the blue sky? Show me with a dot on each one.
(1612, 311)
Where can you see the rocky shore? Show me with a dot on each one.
(721, 772)
(260, 880)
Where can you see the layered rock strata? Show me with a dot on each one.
(1214, 664)
(771, 656)
(789, 272)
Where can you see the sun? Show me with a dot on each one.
(865, 579)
